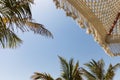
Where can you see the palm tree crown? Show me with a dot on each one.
(98, 72)
(42, 76)
(17, 14)
(70, 71)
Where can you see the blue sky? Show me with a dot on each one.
(38, 53)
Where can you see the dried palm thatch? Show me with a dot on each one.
(101, 18)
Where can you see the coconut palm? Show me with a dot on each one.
(70, 71)
(43, 76)
(98, 72)
(16, 14)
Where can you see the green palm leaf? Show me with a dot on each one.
(9, 38)
(70, 71)
(17, 14)
(111, 71)
(87, 74)
(96, 70)
(42, 76)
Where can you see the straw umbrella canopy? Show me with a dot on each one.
(101, 18)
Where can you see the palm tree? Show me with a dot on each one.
(70, 71)
(16, 14)
(42, 76)
(97, 70)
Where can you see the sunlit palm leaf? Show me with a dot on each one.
(9, 39)
(28, 24)
(58, 79)
(42, 76)
(39, 29)
(88, 75)
(111, 71)
(17, 14)
(96, 68)
(76, 73)
(10, 9)
(97, 71)
(70, 71)
(65, 68)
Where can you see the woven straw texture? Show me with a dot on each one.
(97, 17)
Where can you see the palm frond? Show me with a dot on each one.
(87, 74)
(39, 29)
(65, 68)
(71, 67)
(70, 71)
(115, 67)
(58, 78)
(96, 68)
(17, 14)
(76, 68)
(111, 71)
(9, 38)
(28, 24)
(42, 76)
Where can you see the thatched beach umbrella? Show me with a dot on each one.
(101, 18)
